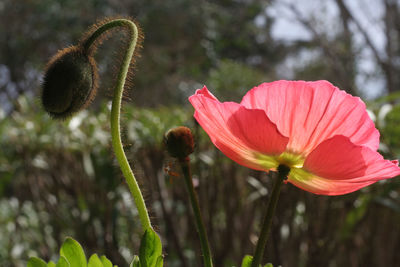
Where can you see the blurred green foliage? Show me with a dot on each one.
(235, 77)
(391, 130)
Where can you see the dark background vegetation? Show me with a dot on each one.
(60, 179)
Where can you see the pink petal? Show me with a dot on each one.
(337, 166)
(321, 186)
(310, 112)
(339, 159)
(238, 132)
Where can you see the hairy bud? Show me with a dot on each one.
(179, 142)
(69, 83)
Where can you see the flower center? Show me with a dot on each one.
(291, 160)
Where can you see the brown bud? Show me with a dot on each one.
(179, 142)
(69, 83)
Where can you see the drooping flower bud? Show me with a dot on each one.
(179, 142)
(69, 83)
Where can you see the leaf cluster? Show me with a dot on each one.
(73, 255)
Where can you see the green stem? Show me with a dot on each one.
(185, 165)
(269, 213)
(115, 113)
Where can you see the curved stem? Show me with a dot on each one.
(185, 165)
(115, 113)
(269, 213)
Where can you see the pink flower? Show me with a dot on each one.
(322, 133)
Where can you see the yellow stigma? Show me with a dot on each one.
(291, 160)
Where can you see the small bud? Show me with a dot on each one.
(179, 142)
(69, 83)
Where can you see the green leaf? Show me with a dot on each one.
(268, 265)
(94, 261)
(51, 264)
(106, 262)
(135, 262)
(73, 253)
(36, 262)
(160, 261)
(247, 261)
(62, 262)
(150, 249)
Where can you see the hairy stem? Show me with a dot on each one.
(269, 213)
(185, 165)
(116, 109)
